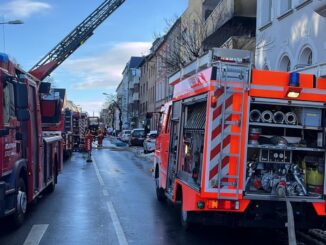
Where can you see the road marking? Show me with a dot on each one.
(98, 175)
(105, 192)
(117, 226)
(35, 235)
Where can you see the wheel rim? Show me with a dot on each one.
(21, 201)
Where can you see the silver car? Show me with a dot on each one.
(149, 142)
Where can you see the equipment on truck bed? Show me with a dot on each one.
(241, 142)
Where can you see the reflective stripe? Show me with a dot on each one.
(228, 191)
(267, 87)
(313, 91)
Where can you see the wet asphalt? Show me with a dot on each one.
(112, 201)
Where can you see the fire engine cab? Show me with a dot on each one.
(241, 142)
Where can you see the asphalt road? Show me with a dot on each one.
(112, 201)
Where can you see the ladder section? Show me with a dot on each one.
(74, 39)
(233, 83)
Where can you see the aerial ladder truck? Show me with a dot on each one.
(30, 153)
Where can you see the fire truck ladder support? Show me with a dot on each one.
(74, 39)
(228, 73)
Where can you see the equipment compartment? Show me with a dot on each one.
(285, 150)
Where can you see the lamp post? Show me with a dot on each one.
(10, 22)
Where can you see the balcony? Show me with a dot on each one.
(135, 97)
(131, 84)
(136, 80)
(229, 18)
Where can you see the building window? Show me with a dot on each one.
(285, 63)
(266, 12)
(285, 6)
(306, 57)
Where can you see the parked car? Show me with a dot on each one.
(137, 137)
(149, 142)
(125, 135)
(119, 135)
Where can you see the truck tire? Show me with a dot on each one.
(160, 195)
(186, 219)
(21, 207)
(51, 187)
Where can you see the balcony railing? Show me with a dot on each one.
(135, 97)
(136, 80)
(226, 10)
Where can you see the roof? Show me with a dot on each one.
(135, 62)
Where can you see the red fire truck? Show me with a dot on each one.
(31, 157)
(242, 142)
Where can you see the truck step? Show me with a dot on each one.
(10, 192)
(10, 211)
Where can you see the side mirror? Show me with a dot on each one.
(21, 95)
(23, 115)
(4, 132)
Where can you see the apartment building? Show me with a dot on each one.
(122, 95)
(291, 34)
(128, 93)
(230, 24)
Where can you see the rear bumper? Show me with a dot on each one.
(261, 214)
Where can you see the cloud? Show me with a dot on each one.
(103, 70)
(23, 8)
(90, 106)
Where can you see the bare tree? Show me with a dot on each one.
(111, 104)
(184, 38)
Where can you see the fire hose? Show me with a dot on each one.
(291, 118)
(279, 117)
(255, 116)
(267, 117)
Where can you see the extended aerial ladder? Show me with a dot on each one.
(74, 39)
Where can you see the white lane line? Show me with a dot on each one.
(98, 175)
(105, 193)
(35, 235)
(117, 226)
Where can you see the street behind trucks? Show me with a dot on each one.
(31, 121)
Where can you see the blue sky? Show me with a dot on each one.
(97, 65)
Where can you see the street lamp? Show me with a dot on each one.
(10, 22)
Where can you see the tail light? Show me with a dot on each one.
(223, 204)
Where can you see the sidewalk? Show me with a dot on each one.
(137, 150)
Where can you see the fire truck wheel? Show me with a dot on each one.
(160, 195)
(51, 187)
(186, 219)
(21, 208)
